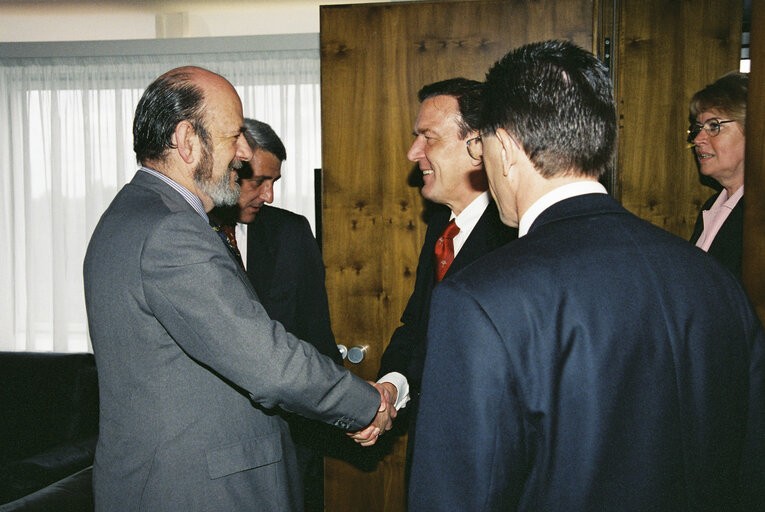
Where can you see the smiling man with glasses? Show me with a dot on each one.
(464, 229)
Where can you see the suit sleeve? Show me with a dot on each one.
(468, 452)
(208, 307)
(399, 352)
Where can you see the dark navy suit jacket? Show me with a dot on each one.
(597, 363)
(727, 245)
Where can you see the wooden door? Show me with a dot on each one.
(665, 51)
(375, 57)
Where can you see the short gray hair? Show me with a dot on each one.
(260, 135)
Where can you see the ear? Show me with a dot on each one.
(510, 150)
(186, 141)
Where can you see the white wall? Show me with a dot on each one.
(96, 20)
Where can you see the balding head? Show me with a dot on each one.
(189, 126)
(178, 95)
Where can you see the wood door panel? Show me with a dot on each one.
(375, 57)
(666, 52)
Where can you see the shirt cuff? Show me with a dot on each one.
(402, 387)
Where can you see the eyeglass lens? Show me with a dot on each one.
(711, 126)
(473, 148)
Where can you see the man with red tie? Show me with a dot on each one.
(464, 228)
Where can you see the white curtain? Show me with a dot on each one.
(66, 149)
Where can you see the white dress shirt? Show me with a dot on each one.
(240, 231)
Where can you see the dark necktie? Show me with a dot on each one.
(228, 235)
(444, 250)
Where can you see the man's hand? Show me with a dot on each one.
(391, 392)
(383, 420)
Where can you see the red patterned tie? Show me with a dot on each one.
(445, 249)
(228, 235)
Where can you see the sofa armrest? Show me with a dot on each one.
(19, 478)
(72, 494)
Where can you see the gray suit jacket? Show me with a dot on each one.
(190, 365)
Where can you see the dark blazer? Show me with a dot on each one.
(286, 269)
(597, 363)
(727, 245)
(406, 351)
(190, 366)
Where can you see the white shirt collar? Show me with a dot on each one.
(578, 188)
(468, 218)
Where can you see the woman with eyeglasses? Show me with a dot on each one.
(716, 134)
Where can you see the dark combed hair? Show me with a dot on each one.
(468, 95)
(727, 95)
(556, 100)
(170, 99)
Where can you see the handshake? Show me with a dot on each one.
(383, 420)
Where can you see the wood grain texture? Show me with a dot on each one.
(666, 51)
(375, 57)
(753, 271)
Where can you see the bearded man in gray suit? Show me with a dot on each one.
(190, 365)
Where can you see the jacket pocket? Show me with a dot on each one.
(248, 454)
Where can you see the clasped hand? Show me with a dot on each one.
(383, 420)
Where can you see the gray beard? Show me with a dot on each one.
(220, 190)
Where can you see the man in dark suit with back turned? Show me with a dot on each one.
(443, 130)
(599, 363)
(286, 269)
(190, 366)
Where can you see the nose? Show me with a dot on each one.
(701, 136)
(268, 193)
(243, 150)
(416, 151)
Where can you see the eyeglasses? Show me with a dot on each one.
(474, 148)
(711, 126)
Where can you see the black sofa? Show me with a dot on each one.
(48, 428)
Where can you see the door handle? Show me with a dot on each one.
(343, 351)
(356, 354)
